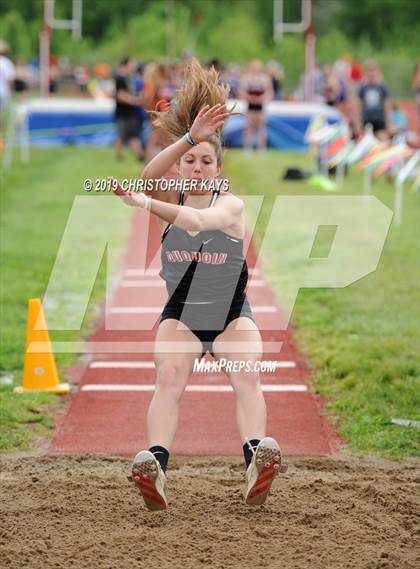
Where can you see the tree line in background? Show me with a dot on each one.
(231, 30)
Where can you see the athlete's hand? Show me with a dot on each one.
(208, 120)
(130, 198)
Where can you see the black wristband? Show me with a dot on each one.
(188, 139)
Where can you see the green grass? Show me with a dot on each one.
(361, 341)
(24, 417)
(36, 200)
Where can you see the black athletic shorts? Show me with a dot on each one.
(256, 107)
(128, 128)
(376, 124)
(212, 315)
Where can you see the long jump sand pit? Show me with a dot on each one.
(325, 513)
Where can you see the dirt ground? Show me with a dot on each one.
(325, 513)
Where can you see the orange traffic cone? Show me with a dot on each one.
(40, 371)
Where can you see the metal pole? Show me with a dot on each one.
(44, 49)
(77, 20)
(44, 62)
(277, 20)
(310, 41)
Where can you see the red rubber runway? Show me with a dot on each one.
(107, 412)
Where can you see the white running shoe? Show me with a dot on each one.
(264, 467)
(149, 478)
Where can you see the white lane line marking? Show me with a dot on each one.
(151, 365)
(123, 348)
(145, 283)
(286, 364)
(292, 388)
(157, 309)
(126, 365)
(136, 309)
(270, 308)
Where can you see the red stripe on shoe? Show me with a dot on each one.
(257, 491)
(264, 478)
(147, 486)
(153, 498)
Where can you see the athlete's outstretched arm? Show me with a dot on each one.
(208, 120)
(221, 216)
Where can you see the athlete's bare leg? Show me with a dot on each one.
(136, 147)
(173, 371)
(251, 412)
(382, 135)
(249, 130)
(260, 122)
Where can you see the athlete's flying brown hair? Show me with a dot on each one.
(200, 87)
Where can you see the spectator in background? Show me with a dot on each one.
(178, 73)
(7, 75)
(126, 116)
(275, 70)
(256, 88)
(21, 82)
(54, 74)
(138, 79)
(356, 73)
(81, 77)
(375, 102)
(399, 121)
(217, 64)
(159, 88)
(138, 85)
(318, 80)
(341, 69)
(334, 89)
(232, 76)
(100, 85)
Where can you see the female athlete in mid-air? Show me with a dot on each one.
(206, 275)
